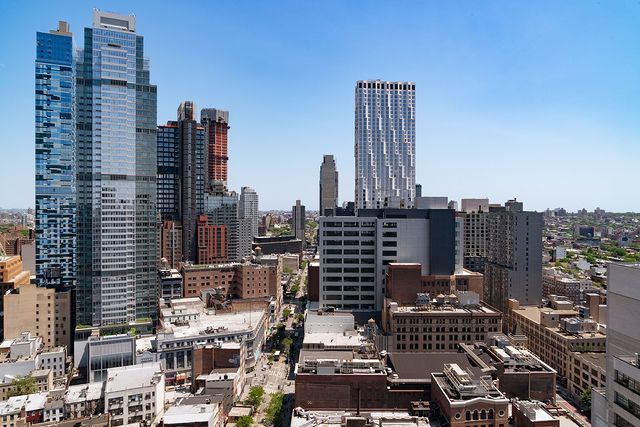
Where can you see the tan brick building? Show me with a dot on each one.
(553, 344)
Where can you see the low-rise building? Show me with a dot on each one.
(170, 284)
(439, 324)
(188, 323)
(96, 354)
(233, 281)
(464, 401)
(556, 283)
(84, 400)
(586, 371)
(193, 415)
(134, 394)
(532, 414)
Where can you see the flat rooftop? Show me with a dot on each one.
(132, 377)
(447, 309)
(598, 359)
(182, 414)
(334, 418)
(422, 365)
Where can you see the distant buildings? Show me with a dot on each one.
(513, 266)
(56, 202)
(236, 281)
(298, 217)
(328, 186)
(213, 245)
(116, 170)
(385, 144)
(221, 209)
(474, 214)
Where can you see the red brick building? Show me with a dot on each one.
(212, 242)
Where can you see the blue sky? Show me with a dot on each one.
(534, 100)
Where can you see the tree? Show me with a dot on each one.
(256, 395)
(585, 398)
(23, 385)
(244, 421)
(300, 317)
(286, 344)
(274, 410)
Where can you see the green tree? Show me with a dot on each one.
(23, 385)
(256, 395)
(585, 398)
(300, 317)
(244, 421)
(286, 344)
(274, 410)
(286, 312)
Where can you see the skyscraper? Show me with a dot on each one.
(56, 209)
(298, 217)
(216, 124)
(475, 213)
(248, 219)
(181, 174)
(221, 209)
(385, 143)
(513, 267)
(116, 160)
(328, 186)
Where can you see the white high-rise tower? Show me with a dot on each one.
(248, 219)
(385, 144)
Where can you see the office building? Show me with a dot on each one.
(298, 217)
(221, 209)
(385, 143)
(474, 213)
(56, 207)
(181, 174)
(355, 252)
(247, 220)
(236, 281)
(328, 186)
(513, 267)
(619, 404)
(216, 125)
(117, 165)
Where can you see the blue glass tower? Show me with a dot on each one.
(116, 165)
(55, 159)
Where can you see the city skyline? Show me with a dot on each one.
(559, 86)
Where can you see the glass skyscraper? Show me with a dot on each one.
(116, 176)
(385, 144)
(55, 159)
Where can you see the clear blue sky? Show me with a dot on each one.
(535, 100)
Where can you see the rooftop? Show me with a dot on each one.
(460, 385)
(422, 365)
(302, 418)
(198, 413)
(133, 377)
(84, 392)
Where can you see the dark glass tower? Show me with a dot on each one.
(55, 159)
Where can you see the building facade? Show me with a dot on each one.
(298, 217)
(474, 213)
(221, 209)
(248, 219)
(385, 143)
(355, 252)
(328, 186)
(212, 242)
(116, 158)
(56, 204)
(620, 405)
(513, 267)
(216, 124)
(181, 174)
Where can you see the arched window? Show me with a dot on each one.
(490, 414)
(475, 414)
(467, 415)
(483, 415)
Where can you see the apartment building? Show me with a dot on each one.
(12, 275)
(556, 283)
(586, 371)
(474, 213)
